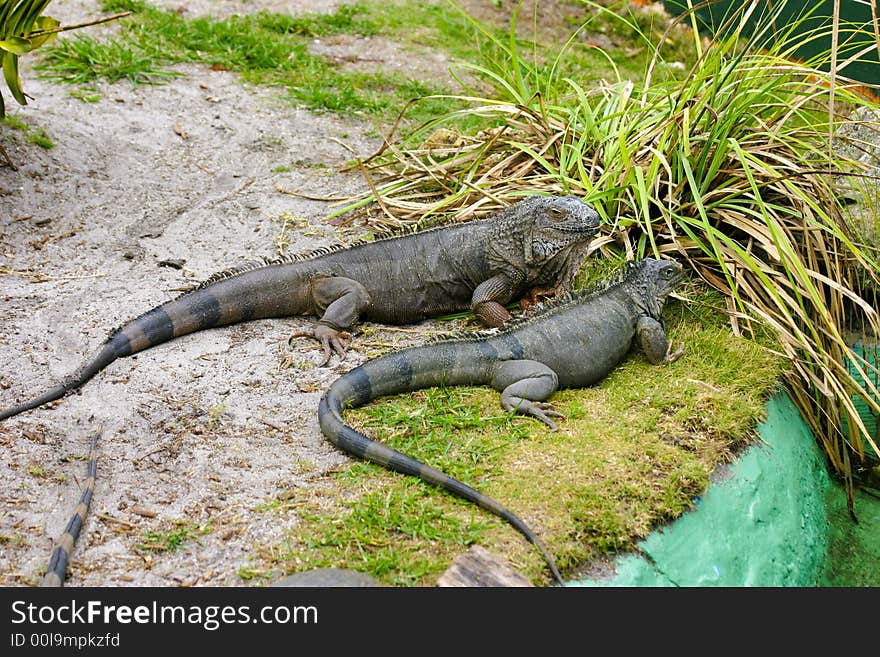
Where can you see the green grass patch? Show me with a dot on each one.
(272, 49)
(37, 136)
(399, 529)
(264, 48)
(171, 539)
(631, 453)
(248, 574)
(83, 59)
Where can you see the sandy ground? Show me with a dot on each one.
(203, 429)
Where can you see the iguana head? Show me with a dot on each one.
(652, 281)
(557, 223)
(541, 241)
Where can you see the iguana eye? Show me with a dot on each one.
(557, 213)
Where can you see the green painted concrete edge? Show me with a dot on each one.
(761, 522)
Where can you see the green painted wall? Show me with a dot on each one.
(812, 35)
(854, 547)
(762, 522)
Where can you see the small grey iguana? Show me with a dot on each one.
(481, 265)
(572, 343)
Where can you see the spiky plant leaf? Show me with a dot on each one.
(16, 45)
(13, 80)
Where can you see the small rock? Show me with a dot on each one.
(143, 511)
(175, 263)
(328, 577)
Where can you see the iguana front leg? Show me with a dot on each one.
(342, 301)
(524, 386)
(489, 298)
(654, 343)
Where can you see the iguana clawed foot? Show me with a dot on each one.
(529, 303)
(541, 410)
(544, 411)
(331, 340)
(672, 356)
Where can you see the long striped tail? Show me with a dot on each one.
(57, 568)
(102, 359)
(351, 441)
(226, 298)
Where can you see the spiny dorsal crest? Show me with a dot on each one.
(402, 232)
(511, 215)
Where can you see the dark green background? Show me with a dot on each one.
(855, 20)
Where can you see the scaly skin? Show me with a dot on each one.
(480, 265)
(572, 344)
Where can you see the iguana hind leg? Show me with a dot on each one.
(341, 300)
(524, 386)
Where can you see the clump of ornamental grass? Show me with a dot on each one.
(727, 166)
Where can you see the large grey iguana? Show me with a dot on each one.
(538, 242)
(573, 343)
